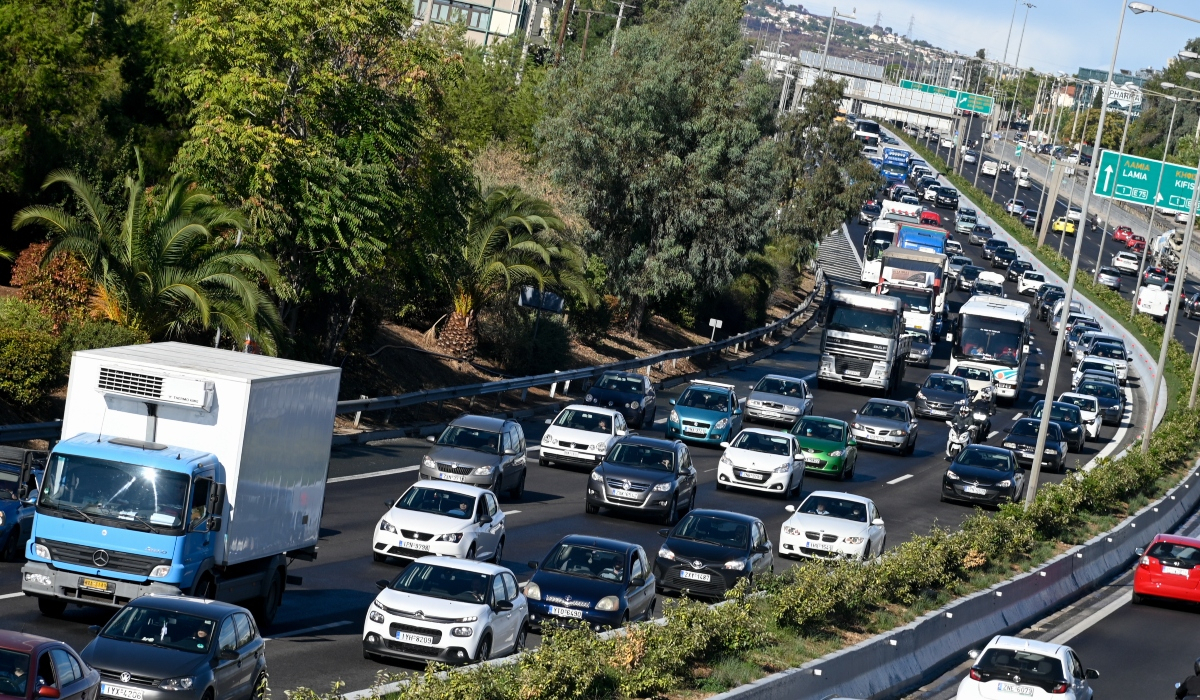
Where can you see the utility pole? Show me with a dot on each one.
(829, 35)
(621, 14)
(587, 28)
(568, 7)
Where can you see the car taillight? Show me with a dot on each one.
(1150, 561)
(1059, 689)
(975, 675)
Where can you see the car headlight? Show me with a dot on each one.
(754, 402)
(160, 571)
(1004, 484)
(375, 616)
(1011, 445)
(183, 683)
(951, 475)
(855, 426)
(783, 468)
(450, 537)
(483, 471)
(735, 564)
(533, 591)
(609, 603)
(462, 631)
(547, 439)
(674, 417)
(634, 404)
(426, 461)
(1050, 451)
(388, 527)
(664, 486)
(726, 461)
(898, 433)
(854, 540)
(789, 530)
(791, 409)
(589, 398)
(596, 476)
(662, 552)
(837, 453)
(41, 550)
(600, 447)
(721, 424)
(921, 395)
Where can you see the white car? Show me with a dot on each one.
(1074, 214)
(1126, 262)
(762, 459)
(1115, 354)
(1086, 340)
(581, 434)
(1090, 363)
(1089, 411)
(447, 610)
(989, 167)
(1024, 182)
(1181, 217)
(441, 518)
(1030, 282)
(931, 193)
(947, 143)
(992, 277)
(1016, 207)
(970, 157)
(980, 378)
(833, 525)
(1024, 668)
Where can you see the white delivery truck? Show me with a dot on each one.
(182, 470)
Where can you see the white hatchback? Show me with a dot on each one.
(833, 525)
(441, 518)
(1089, 411)
(762, 459)
(1024, 668)
(447, 610)
(581, 434)
(1030, 282)
(1126, 262)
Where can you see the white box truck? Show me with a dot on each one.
(183, 469)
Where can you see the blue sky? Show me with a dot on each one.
(1062, 35)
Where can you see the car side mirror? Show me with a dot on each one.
(725, 444)
(227, 655)
(1091, 674)
(94, 629)
(877, 522)
(431, 438)
(512, 450)
(47, 691)
(672, 402)
(974, 654)
(737, 411)
(664, 532)
(854, 411)
(549, 421)
(637, 581)
(382, 583)
(485, 519)
(532, 564)
(763, 548)
(502, 605)
(790, 508)
(1140, 551)
(798, 455)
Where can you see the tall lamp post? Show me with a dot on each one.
(1108, 208)
(829, 35)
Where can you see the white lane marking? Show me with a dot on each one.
(511, 512)
(993, 434)
(11, 595)
(899, 479)
(371, 475)
(1041, 381)
(1042, 366)
(1092, 619)
(1017, 417)
(309, 630)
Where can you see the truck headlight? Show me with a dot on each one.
(388, 527)
(721, 424)
(375, 616)
(735, 564)
(483, 471)
(184, 683)
(462, 631)
(160, 571)
(533, 591)
(41, 550)
(608, 603)
(450, 537)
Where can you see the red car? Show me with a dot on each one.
(1165, 570)
(37, 667)
(1122, 233)
(1135, 243)
(931, 218)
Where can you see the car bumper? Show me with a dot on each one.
(754, 479)
(669, 576)
(559, 454)
(396, 546)
(1166, 585)
(657, 502)
(540, 612)
(918, 358)
(459, 650)
(926, 410)
(153, 692)
(480, 480)
(45, 581)
(893, 441)
(1112, 415)
(991, 496)
(1025, 459)
(800, 546)
(768, 414)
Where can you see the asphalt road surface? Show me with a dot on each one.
(315, 639)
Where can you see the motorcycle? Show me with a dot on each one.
(958, 440)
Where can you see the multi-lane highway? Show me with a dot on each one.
(315, 639)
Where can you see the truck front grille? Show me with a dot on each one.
(87, 557)
(841, 364)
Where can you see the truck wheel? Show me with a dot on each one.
(52, 607)
(267, 606)
(205, 588)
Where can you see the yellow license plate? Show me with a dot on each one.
(94, 584)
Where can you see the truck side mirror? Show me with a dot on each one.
(216, 502)
(214, 523)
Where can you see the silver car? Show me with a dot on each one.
(481, 451)
(955, 265)
(777, 398)
(1110, 277)
(886, 423)
(1087, 340)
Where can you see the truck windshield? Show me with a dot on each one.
(898, 169)
(146, 497)
(852, 319)
(921, 302)
(878, 242)
(989, 339)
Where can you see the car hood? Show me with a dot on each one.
(142, 659)
(612, 398)
(777, 398)
(585, 437)
(695, 413)
(942, 396)
(429, 606)
(828, 524)
(461, 455)
(979, 475)
(574, 591)
(645, 476)
(1106, 402)
(429, 523)
(875, 422)
(1021, 440)
(751, 458)
(691, 551)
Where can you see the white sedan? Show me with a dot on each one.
(1016, 668)
(442, 518)
(762, 460)
(447, 610)
(1030, 282)
(581, 434)
(1099, 364)
(1089, 411)
(833, 525)
(1024, 182)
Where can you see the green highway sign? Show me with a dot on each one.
(966, 101)
(1132, 179)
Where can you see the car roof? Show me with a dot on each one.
(727, 514)
(604, 542)
(22, 642)
(988, 448)
(648, 441)
(1038, 647)
(185, 604)
(888, 402)
(784, 377)
(1064, 404)
(840, 494)
(471, 420)
(1075, 394)
(630, 375)
(763, 431)
(456, 487)
(1176, 539)
(479, 567)
(593, 409)
(942, 374)
(825, 419)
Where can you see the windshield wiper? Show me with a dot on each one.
(143, 523)
(85, 516)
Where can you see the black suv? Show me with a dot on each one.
(947, 198)
(1004, 257)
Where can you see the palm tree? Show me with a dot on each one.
(512, 239)
(170, 265)
(6, 254)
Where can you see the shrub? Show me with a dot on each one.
(30, 364)
(92, 334)
(61, 289)
(506, 338)
(23, 315)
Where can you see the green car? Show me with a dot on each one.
(827, 445)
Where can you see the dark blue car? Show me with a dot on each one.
(16, 513)
(628, 392)
(599, 582)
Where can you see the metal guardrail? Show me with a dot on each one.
(53, 430)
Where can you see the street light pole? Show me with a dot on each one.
(1153, 206)
(829, 35)
(1108, 209)
(1052, 379)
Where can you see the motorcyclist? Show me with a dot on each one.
(1190, 687)
(963, 420)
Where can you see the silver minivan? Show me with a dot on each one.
(479, 450)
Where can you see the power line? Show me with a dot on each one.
(911, 20)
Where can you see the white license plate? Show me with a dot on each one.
(622, 493)
(975, 490)
(752, 475)
(1025, 690)
(410, 638)
(573, 453)
(854, 372)
(812, 460)
(566, 612)
(826, 546)
(694, 430)
(117, 691)
(1175, 570)
(451, 477)
(694, 576)
(419, 546)
(770, 414)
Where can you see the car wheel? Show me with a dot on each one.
(518, 491)
(499, 551)
(484, 651)
(12, 546)
(591, 508)
(672, 514)
(1137, 599)
(52, 607)
(912, 446)
(522, 639)
(471, 552)
(543, 462)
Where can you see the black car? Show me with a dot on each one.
(985, 475)
(644, 474)
(941, 395)
(990, 247)
(1046, 302)
(1018, 268)
(1068, 418)
(966, 278)
(1003, 257)
(1076, 333)
(869, 212)
(1191, 305)
(601, 582)
(1022, 439)
(947, 198)
(709, 551)
(1110, 396)
(1029, 218)
(628, 392)
(988, 289)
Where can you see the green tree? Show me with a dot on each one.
(664, 143)
(493, 99)
(511, 239)
(170, 264)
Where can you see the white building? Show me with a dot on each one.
(488, 21)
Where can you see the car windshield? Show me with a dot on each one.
(960, 260)
(944, 383)
(966, 218)
(1177, 553)
(989, 288)
(834, 507)
(1028, 665)
(1114, 352)
(9, 481)
(782, 387)
(622, 383)
(852, 319)
(877, 409)
(635, 455)
(1103, 390)
(161, 628)
(819, 430)
(14, 673)
(429, 499)
(971, 273)
(714, 530)
(1083, 403)
(983, 229)
(589, 421)
(586, 561)
(918, 335)
(707, 399)
(444, 582)
(475, 439)
(135, 496)
(763, 442)
(984, 459)
(871, 208)
(1035, 277)
(1067, 414)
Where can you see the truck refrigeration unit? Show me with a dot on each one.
(183, 470)
(864, 342)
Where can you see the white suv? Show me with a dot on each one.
(1126, 262)
(1014, 667)
(447, 610)
(581, 434)
(443, 518)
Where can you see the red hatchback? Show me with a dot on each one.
(37, 667)
(931, 218)
(1135, 243)
(1166, 569)
(1122, 233)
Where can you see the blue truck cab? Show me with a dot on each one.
(707, 412)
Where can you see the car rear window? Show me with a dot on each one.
(1183, 556)
(1033, 668)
